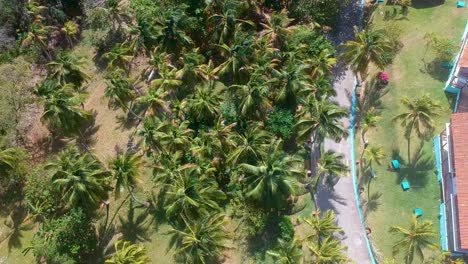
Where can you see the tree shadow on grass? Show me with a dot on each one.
(85, 138)
(372, 97)
(17, 223)
(418, 4)
(157, 212)
(136, 224)
(128, 120)
(418, 171)
(435, 70)
(372, 203)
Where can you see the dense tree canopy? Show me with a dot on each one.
(218, 99)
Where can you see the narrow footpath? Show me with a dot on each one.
(342, 199)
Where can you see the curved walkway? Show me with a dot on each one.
(342, 200)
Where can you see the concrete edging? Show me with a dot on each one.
(353, 155)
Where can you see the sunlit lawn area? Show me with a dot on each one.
(409, 77)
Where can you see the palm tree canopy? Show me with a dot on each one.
(368, 46)
(273, 178)
(329, 251)
(330, 165)
(374, 154)
(128, 253)
(419, 236)
(191, 194)
(419, 115)
(80, 178)
(323, 225)
(287, 252)
(321, 118)
(125, 170)
(200, 241)
(62, 107)
(119, 88)
(68, 68)
(10, 158)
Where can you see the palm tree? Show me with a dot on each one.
(62, 108)
(287, 252)
(250, 145)
(373, 154)
(204, 105)
(34, 9)
(68, 68)
(70, 29)
(176, 137)
(225, 22)
(276, 28)
(117, 12)
(321, 119)
(119, 56)
(80, 178)
(191, 73)
(200, 241)
(38, 34)
(322, 63)
(369, 120)
(273, 179)
(368, 46)
(329, 251)
(128, 253)
(323, 226)
(370, 155)
(329, 166)
(10, 158)
(414, 240)
(292, 81)
(419, 116)
(170, 33)
(253, 98)
(119, 90)
(153, 132)
(235, 55)
(155, 102)
(125, 170)
(191, 195)
(167, 78)
(221, 135)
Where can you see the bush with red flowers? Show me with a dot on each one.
(383, 78)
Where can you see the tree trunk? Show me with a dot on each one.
(116, 212)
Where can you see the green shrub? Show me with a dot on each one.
(39, 194)
(324, 12)
(68, 239)
(388, 57)
(315, 42)
(286, 229)
(281, 122)
(443, 48)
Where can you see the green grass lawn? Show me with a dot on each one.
(409, 77)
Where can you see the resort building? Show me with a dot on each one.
(457, 82)
(451, 151)
(451, 154)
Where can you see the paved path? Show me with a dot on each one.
(342, 200)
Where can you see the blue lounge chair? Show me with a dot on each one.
(418, 212)
(405, 185)
(396, 164)
(461, 4)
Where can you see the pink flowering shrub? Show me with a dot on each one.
(383, 77)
